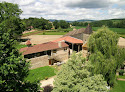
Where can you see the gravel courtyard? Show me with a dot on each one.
(38, 39)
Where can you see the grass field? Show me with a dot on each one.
(122, 77)
(31, 33)
(63, 30)
(52, 33)
(120, 31)
(19, 46)
(41, 73)
(119, 87)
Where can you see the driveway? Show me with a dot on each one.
(47, 82)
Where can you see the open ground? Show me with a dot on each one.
(38, 39)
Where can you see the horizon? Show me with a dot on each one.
(71, 10)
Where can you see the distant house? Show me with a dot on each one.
(29, 28)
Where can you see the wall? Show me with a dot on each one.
(85, 37)
(39, 61)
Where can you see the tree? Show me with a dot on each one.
(9, 18)
(56, 24)
(75, 76)
(13, 68)
(105, 55)
(64, 24)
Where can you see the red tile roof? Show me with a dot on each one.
(28, 42)
(69, 39)
(42, 47)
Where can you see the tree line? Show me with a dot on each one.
(39, 23)
(108, 23)
(61, 24)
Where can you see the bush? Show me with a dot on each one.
(121, 72)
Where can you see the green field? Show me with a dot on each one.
(122, 77)
(63, 30)
(31, 33)
(119, 87)
(19, 46)
(120, 31)
(41, 73)
(52, 33)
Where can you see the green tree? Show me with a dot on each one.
(9, 18)
(64, 24)
(56, 24)
(74, 76)
(13, 68)
(105, 55)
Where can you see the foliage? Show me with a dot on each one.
(39, 23)
(61, 24)
(40, 73)
(105, 56)
(9, 19)
(119, 87)
(74, 76)
(109, 23)
(121, 76)
(13, 68)
(121, 72)
(56, 24)
(64, 24)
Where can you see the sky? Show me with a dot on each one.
(71, 9)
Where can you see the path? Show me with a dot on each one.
(120, 79)
(47, 82)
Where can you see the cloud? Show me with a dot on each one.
(89, 3)
(71, 9)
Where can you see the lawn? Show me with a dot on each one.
(19, 46)
(41, 73)
(32, 33)
(122, 77)
(119, 87)
(52, 33)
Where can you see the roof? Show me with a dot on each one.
(69, 39)
(76, 31)
(42, 47)
(88, 30)
(28, 42)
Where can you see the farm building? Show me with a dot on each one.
(42, 49)
(58, 50)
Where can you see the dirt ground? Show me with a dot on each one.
(38, 39)
(121, 42)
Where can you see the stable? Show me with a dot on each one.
(42, 49)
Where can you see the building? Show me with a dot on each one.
(58, 50)
(81, 34)
(43, 49)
